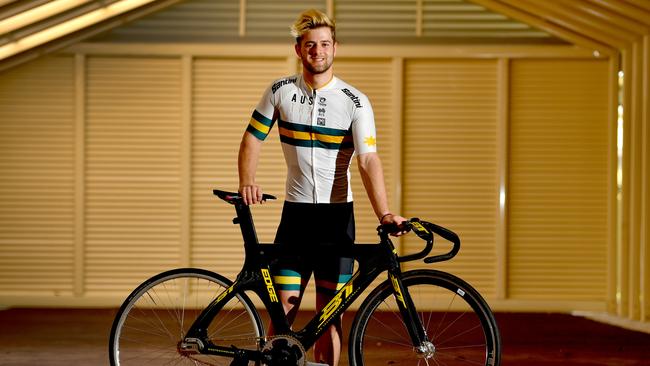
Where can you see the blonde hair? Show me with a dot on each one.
(311, 19)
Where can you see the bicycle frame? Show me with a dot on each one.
(255, 276)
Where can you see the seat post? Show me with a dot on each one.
(245, 221)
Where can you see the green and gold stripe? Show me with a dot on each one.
(288, 280)
(314, 136)
(259, 125)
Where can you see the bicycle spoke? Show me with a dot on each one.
(156, 314)
(460, 334)
(391, 341)
(450, 325)
(447, 311)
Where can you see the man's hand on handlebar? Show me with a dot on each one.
(398, 221)
(251, 194)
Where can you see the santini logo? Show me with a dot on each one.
(282, 83)
(354, 98)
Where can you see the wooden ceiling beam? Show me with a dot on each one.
(643, 4)
(37, 14)
(547, 26)
(69, 26)
(610, 16)
(625, 8)
(576, 21)
(85, 33)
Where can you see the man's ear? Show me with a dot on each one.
(296, 47)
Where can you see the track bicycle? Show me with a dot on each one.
(191, 316)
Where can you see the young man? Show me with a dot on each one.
(322, 122)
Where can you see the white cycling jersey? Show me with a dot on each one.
(320, 131)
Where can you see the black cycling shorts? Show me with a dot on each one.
(312, 235)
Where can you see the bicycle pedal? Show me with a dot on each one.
(316, 364)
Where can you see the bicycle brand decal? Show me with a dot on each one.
(418, 227)
(269, 285)
(226, 292)
(398, 291)
(330, 309)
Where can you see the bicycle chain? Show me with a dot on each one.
(256, 339)
(205, 363)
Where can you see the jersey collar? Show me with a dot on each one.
(330, 85)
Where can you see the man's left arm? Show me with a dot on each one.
(372, 175)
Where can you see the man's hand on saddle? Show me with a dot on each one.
(251, 193)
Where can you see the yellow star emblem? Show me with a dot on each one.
(370, 141)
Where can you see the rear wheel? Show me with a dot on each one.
(459, 325)
(153, 320)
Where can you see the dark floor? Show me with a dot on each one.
(57, 337)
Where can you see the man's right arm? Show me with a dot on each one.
(249, 155)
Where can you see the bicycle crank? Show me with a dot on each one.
(283, 351)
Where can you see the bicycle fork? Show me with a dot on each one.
(422, 345)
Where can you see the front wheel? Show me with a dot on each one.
(153, 320)
(459, 325)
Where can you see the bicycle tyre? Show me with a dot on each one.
(457, 321)
(156, 316)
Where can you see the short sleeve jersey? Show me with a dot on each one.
(320, 131)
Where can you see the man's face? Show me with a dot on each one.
(317, 50)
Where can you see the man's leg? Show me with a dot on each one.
(328, 347)
(328, 280)
(290, 286)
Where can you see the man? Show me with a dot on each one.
(322, 122)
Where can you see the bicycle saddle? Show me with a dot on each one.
(234, 197)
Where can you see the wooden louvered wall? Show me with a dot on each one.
(558, 180)
(376, 18)
(266, 19)
(450, 159)
(159, 133)
(133, 165)
(37, 206)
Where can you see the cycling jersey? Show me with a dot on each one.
(320, 131)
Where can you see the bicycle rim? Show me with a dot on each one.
(156, 316)
(457, 321)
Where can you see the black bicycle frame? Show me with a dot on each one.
(255, 276)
